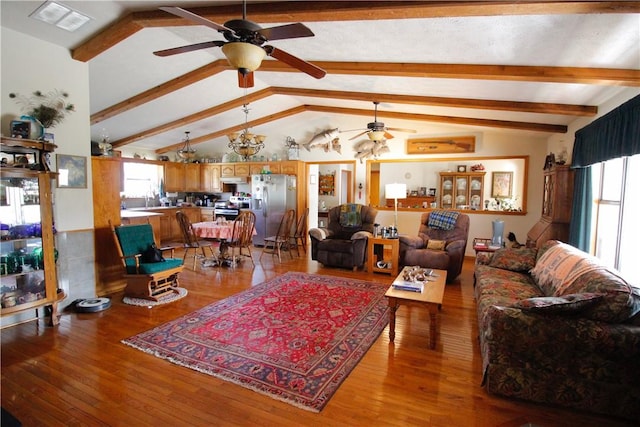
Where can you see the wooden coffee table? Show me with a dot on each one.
(430, 297)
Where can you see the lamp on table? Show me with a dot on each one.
(395, 191)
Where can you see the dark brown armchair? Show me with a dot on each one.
(416, 250)
(343, 242)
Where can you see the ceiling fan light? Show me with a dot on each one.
(376, 135)
(245, 56)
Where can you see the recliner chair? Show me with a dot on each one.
(343, 242)
(414, 250)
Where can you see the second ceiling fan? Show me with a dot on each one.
(377, 131)
(245, 44)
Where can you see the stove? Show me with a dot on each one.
(226, 210)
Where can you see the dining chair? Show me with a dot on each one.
(241, 237)
(300, 235)
(282, 240)
(190, 241)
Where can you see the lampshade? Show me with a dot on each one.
(395, 191)
(376, 135)
(245, 57)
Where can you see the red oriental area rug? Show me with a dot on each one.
(294, 338)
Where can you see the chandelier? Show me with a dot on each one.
(186, 152)
(245, 143)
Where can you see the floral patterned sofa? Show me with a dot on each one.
(559, 328)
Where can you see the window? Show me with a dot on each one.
(615, 210)
(141, 180)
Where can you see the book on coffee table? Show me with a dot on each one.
(403, 285)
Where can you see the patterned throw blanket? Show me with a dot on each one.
(350, 215)
(443, 220)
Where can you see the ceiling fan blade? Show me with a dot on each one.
(387, 135)
(295, 62)
(189, 48)
(245, 80)
(402, 130)
(178, 11)
(358, 135)
(288, 31)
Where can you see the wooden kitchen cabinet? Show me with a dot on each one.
(210, 178)
(235, 169)
(192, 177)
(174, 177)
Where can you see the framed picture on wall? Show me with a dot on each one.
(501, 184)
(72, 171)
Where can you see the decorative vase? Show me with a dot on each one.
(37, 130)
(498, 231)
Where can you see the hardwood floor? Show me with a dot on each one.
(80, 374)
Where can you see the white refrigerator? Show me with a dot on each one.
(271, 196)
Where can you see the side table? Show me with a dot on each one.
(395, 254)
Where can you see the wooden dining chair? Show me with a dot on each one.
(282, 240)
(300, 235)
(241, 237)
(190, 241)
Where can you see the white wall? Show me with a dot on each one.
(30, 64)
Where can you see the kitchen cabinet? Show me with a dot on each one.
(173, 177)
(210, 178)
(28, 256)
(169, 228)
(289, 167)
(242, 169)
(206, 214)
(461, 190)
(192, 177)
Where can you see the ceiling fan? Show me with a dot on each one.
(377, 131)
(245, 44)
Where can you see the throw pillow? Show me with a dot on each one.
(567, 304)
(436, 245)
(522, 259)
(443, 220)
(152, 254)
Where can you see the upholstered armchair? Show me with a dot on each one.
(343, 242)
(440, 243)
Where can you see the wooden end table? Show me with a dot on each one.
(430, 297)
(372, 242)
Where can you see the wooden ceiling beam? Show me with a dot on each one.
(482, 104)
(453, 71)
(306, 11)
(236, 128)
(537, 127)
(520, 73)
(200, 115)
(468, 121)
(161, 90)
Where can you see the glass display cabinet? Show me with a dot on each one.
(461, 190)
(27, 253)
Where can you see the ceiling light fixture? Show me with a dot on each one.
(245, 57)
(186, 152)
(62, 16)
(376, 135)
(245, 143)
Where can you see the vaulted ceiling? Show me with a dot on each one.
(529, 67)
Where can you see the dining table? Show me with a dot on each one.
(219, 230)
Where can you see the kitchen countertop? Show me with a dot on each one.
(132, 213)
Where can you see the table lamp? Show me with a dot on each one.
(395, 191)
